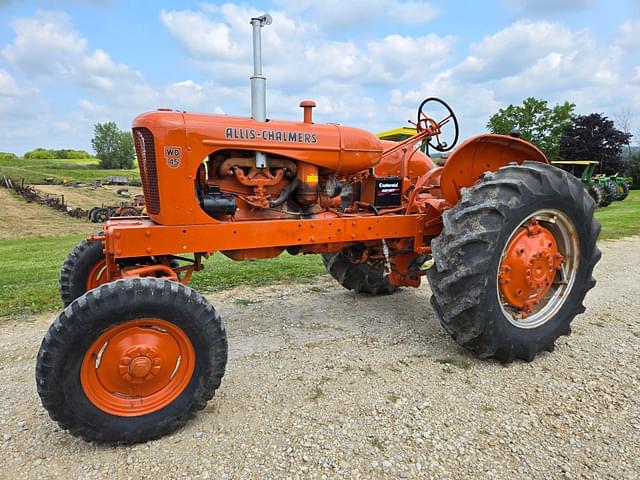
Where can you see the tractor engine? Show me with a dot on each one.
(204, 168)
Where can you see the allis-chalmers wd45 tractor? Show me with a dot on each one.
(136, 352)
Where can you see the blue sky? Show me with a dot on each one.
(65, 65)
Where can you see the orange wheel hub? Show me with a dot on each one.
(137, 367)
(98, 275)
(529, 266)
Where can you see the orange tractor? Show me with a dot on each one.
(136, 352)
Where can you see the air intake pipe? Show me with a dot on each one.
(258, 81)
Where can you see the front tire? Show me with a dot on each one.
(85, 268)
(131, 360)
(498, 286)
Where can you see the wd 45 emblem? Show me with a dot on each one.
(173, 156)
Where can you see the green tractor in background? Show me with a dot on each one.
(622, 185)
(604, 189)
(608, 185)
(585, 170)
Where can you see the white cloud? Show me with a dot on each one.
(298, 54)
(544, 7)
(413, 12)
(629, 34)
(512, 49)
(44, 45)
(8, 85)
(337, 15)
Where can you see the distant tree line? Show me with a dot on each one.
(49, 153)
(8, 156)
(561, 134)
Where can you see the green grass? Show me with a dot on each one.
(30, 267)
(620, 219)
(77, 170)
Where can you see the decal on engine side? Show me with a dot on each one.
(269, 135)
(173, 156)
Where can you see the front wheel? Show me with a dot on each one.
(515, 261)
(131, 360)
(85, 268)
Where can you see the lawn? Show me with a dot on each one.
(29, 273)
(620, 219)
(77, 170)
(30, 267)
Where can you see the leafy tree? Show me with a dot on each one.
(633, 169)
(8, 156)
(595, 137)
(113, 147)
(538, 124)
(48, 153)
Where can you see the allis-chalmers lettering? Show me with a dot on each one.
(269, 135)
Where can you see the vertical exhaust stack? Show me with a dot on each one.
(258, 81)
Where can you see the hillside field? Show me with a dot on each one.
(35, 240)
(69, 170)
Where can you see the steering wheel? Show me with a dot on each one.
(427, 123)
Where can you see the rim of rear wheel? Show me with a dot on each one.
(137, 367)
(538, 268)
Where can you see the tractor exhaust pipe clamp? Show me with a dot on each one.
(258, 81)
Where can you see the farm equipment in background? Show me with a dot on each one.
(609, 188)
(585, 171)
(126, 209)
(603, 189)
(623, 184)
(136, 352)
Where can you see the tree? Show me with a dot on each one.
(113, 147)
(8, 156)
(594, 137)
(623, 120)
(538, 124)
(48, 153)
(633, 169)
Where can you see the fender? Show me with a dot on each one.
(480, 154)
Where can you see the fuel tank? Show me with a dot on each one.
(329, 146)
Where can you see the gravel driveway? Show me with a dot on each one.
(322, 383)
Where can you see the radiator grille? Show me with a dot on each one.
(146, 152)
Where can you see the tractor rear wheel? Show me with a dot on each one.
(514, 261)
(596, 193)
(85, 268)
(131, 361)
(100, 215)
(623, 191)
(611, 191)
(359, 277)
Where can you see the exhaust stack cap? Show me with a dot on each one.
(307, 106)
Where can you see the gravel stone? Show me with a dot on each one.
(323, 383)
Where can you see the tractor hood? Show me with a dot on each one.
(330, 146)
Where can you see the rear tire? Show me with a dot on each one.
(623, 191)
(611, 191)
(100, 215)
(596, 193)
(359, 277)
(69, 355)
(469, 255)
